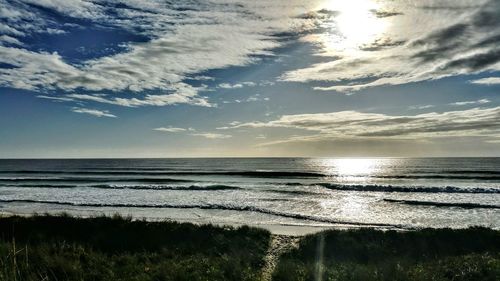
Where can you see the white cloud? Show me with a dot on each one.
(230, 86)
(188, 39)
(249, 84)
(360, 125)
(451, 38)
(427, 106)
(170, 129)
(201, 36)
(93, 112)
(481, 101)
(256, 97)
(6, 39)
(73, 8)
(55, 98)
(237, 85)
(252, 98)
(212, 135)
(487, 81)
(202, 78)
(186, 95)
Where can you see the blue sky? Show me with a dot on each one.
(249, 78)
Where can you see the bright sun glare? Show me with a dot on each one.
(353, 169)
(355, 25)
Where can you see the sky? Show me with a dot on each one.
(222, 78)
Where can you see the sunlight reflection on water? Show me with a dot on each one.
(354, 169)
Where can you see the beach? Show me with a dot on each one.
(250, 219)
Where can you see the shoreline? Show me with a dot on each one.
(274, 229)
(291, 230)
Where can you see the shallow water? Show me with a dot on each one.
(383, 192)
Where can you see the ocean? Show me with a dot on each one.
(389, 193)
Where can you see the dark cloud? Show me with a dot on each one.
(489, 16)
(476, 62)
(432, 128)
(430, 55)
(381, 43)
(319, 14)
(385, 14)
(444, 36)
(442, 43)
(448, 7)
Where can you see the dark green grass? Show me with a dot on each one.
(104, 248)
(429, 254)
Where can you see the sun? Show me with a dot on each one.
(355, 24)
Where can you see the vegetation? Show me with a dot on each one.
(365, 254)
(115, 248)
(104, 248)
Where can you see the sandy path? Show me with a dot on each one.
(278, 245)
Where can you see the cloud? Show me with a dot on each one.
(212, 135)
(73, 8)
(457, 39)
(58, 99)
(361, 125)
(385, 14)
(487, 81)
(184, 40)
(426, 106)
(252, 98)
(93, 112)
(237, 85)
(481, 101)
(230, 86)
(8, 40)
(256, 97)
(186, 95)
(170, 129)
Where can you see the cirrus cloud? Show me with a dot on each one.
(93, 112)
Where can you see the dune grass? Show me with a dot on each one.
(116, 248)
(429, 254)
(105, 248)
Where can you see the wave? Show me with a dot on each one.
(40, 185)
(443, 204)
(79, 172)
(434, 176)
(486, 172)
(258, 174)
(416, 189)
(156, 184)
(164, 187)
(89, 180)
(137, 187)
(292, 192)
(457, 175)
(209, 207)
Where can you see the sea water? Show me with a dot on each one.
(345, 192)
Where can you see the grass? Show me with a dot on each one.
(105, 248)
(116, 248)
(365, 254)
